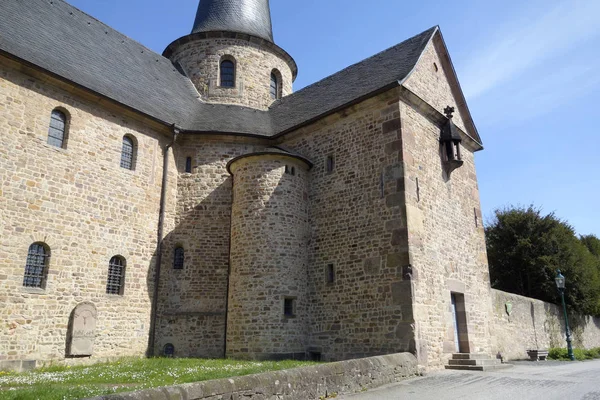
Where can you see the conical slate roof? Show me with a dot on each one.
(252, 17)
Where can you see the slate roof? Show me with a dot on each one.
(57, 37)
(372, 75)
(244, 16)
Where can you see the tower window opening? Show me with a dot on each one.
(289, 305)
(227, 73)
(274, 87)
(290, 170)
(188, 165)
(330, 164)
(330, 273)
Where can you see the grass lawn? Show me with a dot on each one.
(62, 383)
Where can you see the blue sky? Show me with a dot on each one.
(529, 69)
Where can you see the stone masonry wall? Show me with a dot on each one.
(85, 208)
(357, 224)
(269, 236)
(533, 324)
(201, 59)
(193, 301)
(445, 233)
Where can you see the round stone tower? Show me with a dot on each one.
(231, 57)
(269, 256)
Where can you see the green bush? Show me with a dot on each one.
(557, 353)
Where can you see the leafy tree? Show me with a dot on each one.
(592, 243)
(526, 248)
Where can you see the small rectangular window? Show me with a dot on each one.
(179, 258)
(330, 164)
(330, 274)
(188, 165)
(289, 304)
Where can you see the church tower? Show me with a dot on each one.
(231, 57)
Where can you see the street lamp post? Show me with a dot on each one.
(560, 285)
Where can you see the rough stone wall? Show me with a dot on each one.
(533, 324)
(357, 225)
(445, 233)
(269, 258)
(429, 81)
(192, 301)
(85, 208)
(446, 241)
(200, 59)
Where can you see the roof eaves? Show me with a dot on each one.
(337, 109)
(79, 86)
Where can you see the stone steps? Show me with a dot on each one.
(475, 362)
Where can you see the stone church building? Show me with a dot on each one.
(191, 204)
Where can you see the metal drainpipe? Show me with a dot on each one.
(159, 235)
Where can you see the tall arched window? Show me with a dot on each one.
(57, 129)
(128, 153)
(179, 258)
(36, 268)
(274, 86)
(115, 283)
(227, 73)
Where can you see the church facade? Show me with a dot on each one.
(191, 204)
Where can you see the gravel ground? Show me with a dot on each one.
(526, 380)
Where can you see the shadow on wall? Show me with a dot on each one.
(191, 306)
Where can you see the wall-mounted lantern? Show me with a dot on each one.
(450, 141)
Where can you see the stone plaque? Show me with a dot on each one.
(82, 330)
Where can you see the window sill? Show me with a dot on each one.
(57, 149)
(32, 290)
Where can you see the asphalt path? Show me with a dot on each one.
(526, 380)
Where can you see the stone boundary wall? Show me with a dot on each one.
(534, 324)
(305, 383)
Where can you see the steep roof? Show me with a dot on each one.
(362, 80)
(66, 42)
(244, 16)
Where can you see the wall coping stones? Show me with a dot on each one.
(298, 383)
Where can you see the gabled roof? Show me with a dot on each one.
(69, 44)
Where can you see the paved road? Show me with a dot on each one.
(539, 381)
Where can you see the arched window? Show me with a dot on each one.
(36, 268)
(179, 258)
(227, 73)
(274, 86)
(128, 153)
(57, 129)
(115, 283)
(169, 350)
